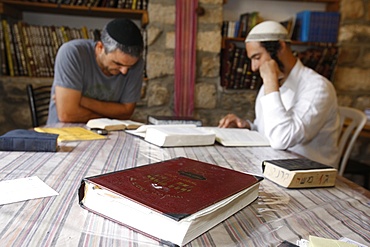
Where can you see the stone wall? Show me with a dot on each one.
(352, 75)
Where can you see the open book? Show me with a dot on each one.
(113, 124)
(235, 137)
(175, 135)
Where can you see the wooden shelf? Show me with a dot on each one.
(15, 8)
(331, 5)
(294, 42)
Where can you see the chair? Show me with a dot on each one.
(352, 121)
(38, 99)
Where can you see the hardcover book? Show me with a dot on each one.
(172, 135)
(173, 201)
(28, 140)
(299, 173)
(173, 120)
(113, 124)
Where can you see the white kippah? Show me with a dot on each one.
(268, 31)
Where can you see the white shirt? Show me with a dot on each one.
(302, 117)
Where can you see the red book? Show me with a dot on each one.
(173, 201)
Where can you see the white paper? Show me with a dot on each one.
(24, 189)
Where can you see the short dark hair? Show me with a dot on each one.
(122, 34)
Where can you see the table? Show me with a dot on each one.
(278, 214)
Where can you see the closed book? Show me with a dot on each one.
(299, 173)
(173, 135)
(28, 140)
(173, 201)
(113, 124)
(173, 120)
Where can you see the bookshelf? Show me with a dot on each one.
(310, 49)
(15, 8)
(41, 42)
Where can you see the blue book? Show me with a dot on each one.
(28, 140)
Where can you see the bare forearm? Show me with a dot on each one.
(78, 115)
(108, 109)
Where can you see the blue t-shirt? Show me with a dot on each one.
(76, 68)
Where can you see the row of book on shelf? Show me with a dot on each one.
(30, 50)
(306, 26)
(236, 72)
(240, 28)
(120, 4)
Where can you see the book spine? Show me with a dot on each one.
(225, 77)
(234, 66)
(23, 71)
(3, 70)
(297, 179)
(27, 144)
(8, 46)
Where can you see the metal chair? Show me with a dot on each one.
(39, 99)
(356, 120)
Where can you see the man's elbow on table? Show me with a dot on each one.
(67, 117)
(279, 142)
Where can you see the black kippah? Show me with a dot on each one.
(125, 32)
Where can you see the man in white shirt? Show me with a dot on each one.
(296, 108)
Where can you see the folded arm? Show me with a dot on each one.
(74, 108)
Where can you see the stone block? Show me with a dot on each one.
(348, 54)
(362, 102)
(160, 64)
(153, 34)
(212, 15)
(220, 2)
(352, 79)
(158, 95)
(209, 41)
(210, 66)
(170, 40)
(162, 13)
(365, 58)
(344, 99)
(205, 96)
(352, 9)
(354, 33)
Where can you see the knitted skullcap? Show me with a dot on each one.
(125, 32)
(268, 31)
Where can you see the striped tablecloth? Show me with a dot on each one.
(278, 214)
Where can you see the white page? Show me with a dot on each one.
(141, 131)
(22, 189)
(238, 137)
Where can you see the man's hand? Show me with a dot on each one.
(270, 74)
(232, 121)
